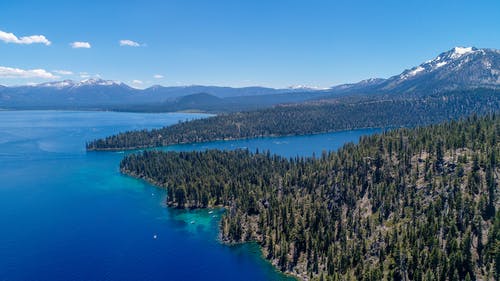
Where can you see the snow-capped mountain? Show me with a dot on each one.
(460, 68)
(74, 84)
(305, 88)
(67, 93)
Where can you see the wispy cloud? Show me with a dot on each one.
(8, 37)
(158, 76)
(10, 72)
(129, 43)
(84, 75)
(63, 72)
(137, 82)
(80, 45)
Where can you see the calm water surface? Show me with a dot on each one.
(66, 214)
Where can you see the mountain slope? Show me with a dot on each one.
(195, 102)
(457, 69)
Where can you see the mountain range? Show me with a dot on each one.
(114, 95)
(461, 68)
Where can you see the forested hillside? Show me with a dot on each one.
(318, 117)
(409, 204)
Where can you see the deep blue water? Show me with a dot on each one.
(66, 214)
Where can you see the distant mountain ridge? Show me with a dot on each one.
(73, 84)
(461, 68)
(108, 94)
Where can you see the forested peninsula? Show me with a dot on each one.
(314, 117)
(408, 204)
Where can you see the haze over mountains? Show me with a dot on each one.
(457, 69)
(107, 94)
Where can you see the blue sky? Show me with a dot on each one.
(234, 43)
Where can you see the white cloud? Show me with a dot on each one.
(33, 39)
(158, 76)
(84, 75)
(63, 72)
(80, 45)
(9, 72)
(129, 43)
(137, 82)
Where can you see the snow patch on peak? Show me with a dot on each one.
(487, 64)
(410, 73)
(439, 64)
(449, 58)
(98, 82)
(416, 71)
(371, 81)
(57, 84)
(306, 88)
(460, 51)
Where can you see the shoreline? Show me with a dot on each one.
(220, 239)
(274, 136)
(107, 110)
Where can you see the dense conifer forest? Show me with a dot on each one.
(315, 117)
(408, 204)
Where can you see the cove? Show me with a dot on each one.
(66, 214)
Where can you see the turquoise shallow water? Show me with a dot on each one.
(66, 214)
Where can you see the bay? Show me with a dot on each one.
(68, 214)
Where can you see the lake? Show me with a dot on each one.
(66, 214)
